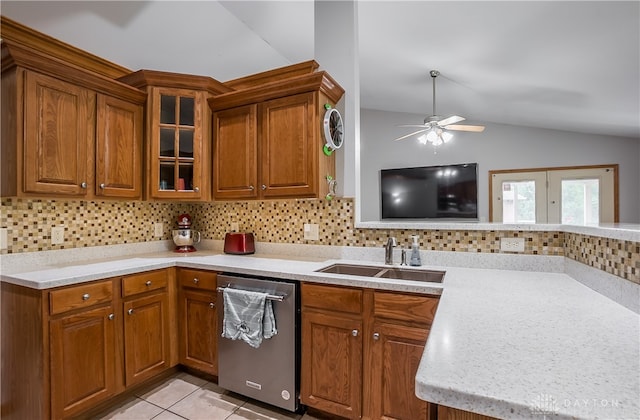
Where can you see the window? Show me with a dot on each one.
(578, 196)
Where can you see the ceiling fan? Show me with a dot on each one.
(435, 127)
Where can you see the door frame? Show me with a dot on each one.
(615, 166)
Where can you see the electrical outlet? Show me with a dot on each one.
(235, 227)
(512, 244)
(310, 232)
(3, 238)
(158, 230)
(57, 235)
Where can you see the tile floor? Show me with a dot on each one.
(184, 396)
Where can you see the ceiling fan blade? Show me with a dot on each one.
(450, 120)
(413, 125)
(462, 127)
(411, 134)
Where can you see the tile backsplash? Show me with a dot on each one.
(93, 223)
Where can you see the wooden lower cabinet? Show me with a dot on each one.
(198, 320)
(67, 350)
(83, 368)
(361, 349)
(331, 378)
(146, 325)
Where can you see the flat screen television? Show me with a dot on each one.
(430, 192)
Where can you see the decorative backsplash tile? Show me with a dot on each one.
(86, 223)
(617, 257)
(93, 223)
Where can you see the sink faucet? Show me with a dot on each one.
(388, 250)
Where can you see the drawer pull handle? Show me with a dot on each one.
(195, 280)
(148, 283)
(212, 305)
(354, 333)
(111, 316)
(376, 336)
(130, 311)
(85, 296)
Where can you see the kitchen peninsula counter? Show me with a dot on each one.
(504, 343)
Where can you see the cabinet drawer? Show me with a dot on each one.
(405, 307)
(332, 298)
(197, 279)
(144, 282)
(80, 296)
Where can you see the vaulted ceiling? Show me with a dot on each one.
(571, 65)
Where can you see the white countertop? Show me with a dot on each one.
(621, 231)
(505, 343)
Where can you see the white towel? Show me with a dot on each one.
(248, 316)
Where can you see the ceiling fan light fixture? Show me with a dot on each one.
(446, 136)
(423, 139)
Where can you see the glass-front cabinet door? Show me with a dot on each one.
(177, 149)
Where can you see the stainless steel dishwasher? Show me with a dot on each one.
(271, 372)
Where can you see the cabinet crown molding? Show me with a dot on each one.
(143, 78)
(16, 33)
(318, 81)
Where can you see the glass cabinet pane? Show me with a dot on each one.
(185, 180)
(186, 143)
(186, 111)
(167, 142)
(167, 109)
(167, 176)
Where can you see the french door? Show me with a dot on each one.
(577, 195)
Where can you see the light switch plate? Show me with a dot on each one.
(158, 230)
(311, 232)
(57, 235)
(512, 244)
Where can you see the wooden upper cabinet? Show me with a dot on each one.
(59, 118)
(289, 147)
(235, 171)
(66, 131)
(267, 135)
(178, 129)
(118, 148)
(178, 133)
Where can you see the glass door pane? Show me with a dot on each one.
(167, 176)
(519, 197)
(580, 201)
(519, 202)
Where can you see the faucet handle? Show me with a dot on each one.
(392, 241)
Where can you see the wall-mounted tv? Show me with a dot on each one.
(430, 192)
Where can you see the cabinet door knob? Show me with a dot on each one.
(148, 283)
(83, 185)
(196, 189)
(130, 311)
(102, 186)
(85, 296)
(264, 187)
(376, 336)
(111, 316)
(196, 280)
(354, 333)
(212, 305)
(251, 187)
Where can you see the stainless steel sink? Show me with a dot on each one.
(431, 276)
(352, 269)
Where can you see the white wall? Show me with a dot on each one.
(498, 147)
